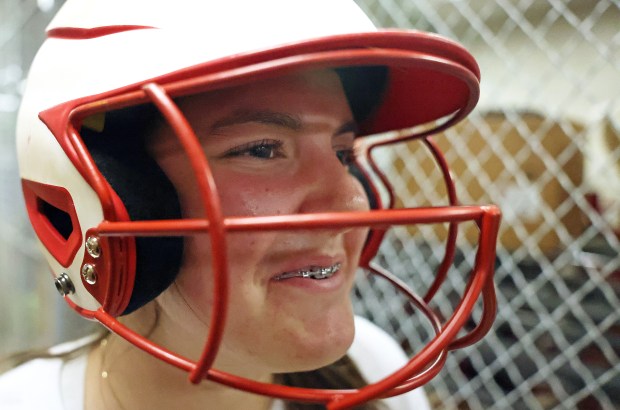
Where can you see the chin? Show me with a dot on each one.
(323, 344)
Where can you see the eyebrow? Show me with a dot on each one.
(279, 119)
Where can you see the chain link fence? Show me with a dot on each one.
(544, 144)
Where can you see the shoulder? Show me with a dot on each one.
(45, 383)
(32, 385)
(378, 355)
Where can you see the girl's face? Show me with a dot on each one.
(279, 146)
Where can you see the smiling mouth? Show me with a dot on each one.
(312, 272)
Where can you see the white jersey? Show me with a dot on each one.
(58, 384)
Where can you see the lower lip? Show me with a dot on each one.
(335, 282)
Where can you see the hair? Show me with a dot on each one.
(65, 351)
(342, 374)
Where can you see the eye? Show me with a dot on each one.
(264, 149)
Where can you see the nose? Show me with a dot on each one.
(330, 187)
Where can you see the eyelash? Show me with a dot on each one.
(345, 156)
(251, 149)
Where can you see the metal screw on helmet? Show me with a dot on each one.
(89, 274)
(92, 246)
(64, 286)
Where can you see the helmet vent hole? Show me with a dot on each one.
(59, 219)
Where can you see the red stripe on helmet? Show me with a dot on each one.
(78, 33)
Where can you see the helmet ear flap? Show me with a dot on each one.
(120, 153)
(364, 87)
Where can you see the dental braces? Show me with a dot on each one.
(314, 272)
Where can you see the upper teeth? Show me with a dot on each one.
(313, 272)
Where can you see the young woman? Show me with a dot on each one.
(192, 175)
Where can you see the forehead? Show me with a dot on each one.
(304, 101)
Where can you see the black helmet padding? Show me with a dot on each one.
(120, 153)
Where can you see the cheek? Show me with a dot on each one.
(239, 195)
(195, 278)
(249, 196)
(354, 244)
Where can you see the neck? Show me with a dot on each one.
(120, 376)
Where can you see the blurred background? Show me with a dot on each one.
(543, 144)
